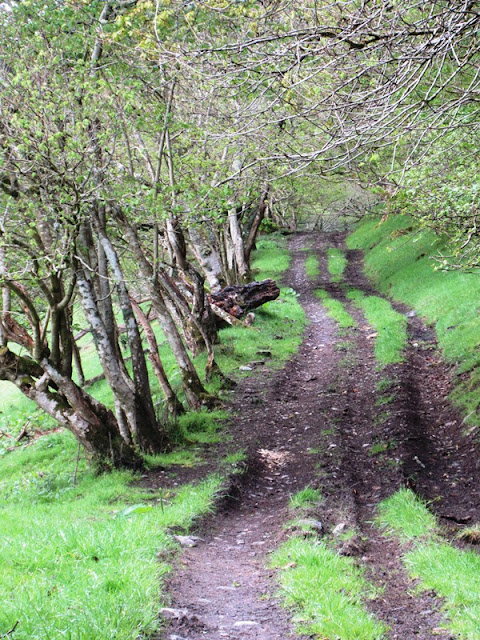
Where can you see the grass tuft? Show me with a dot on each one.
(336, 263)
(336, 310)
(312, 266)
(405, 516)
(453, 574)
(470, 534)
(390, 326)
(327, 592)
(305, 499)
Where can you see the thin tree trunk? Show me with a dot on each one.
(105, 302)
(195, 392)
(238, 246)
(6, 296)
(174, 405)
(77, 359)
(257, 221)
(146, 430)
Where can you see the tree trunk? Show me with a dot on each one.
(105, 302)
(174, 406)
(260, 215)
(77, 359)
(238, 246)
(208, 257)
(144, 425)
(6, 296)
(238, 300)
(92, 423)
(196, 394)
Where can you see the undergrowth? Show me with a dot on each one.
(399, 259)
(454, 574)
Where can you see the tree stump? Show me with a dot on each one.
(238, 300)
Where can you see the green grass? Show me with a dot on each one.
(74, 563)
(271, 258)
(390, 326)
(384, 384)
(380, 401)
(455, 576)
(406, 517)
(452, 573)
(326, 591)
(399, 261)
(312, 266)
(336, 310)
(336, 263)
(382, 446)
(305, 499)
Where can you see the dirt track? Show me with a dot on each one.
(315, 423)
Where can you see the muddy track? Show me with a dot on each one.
(317, 422)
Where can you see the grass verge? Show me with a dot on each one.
(336, 263)
(336, 310)
(390, 327)
(312, 266)
(452, 573)
(83, 556)
(326, 591)
(398, 259)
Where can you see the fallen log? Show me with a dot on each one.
(238, 300)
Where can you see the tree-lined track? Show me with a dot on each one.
(319, 422)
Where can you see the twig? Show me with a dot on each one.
(23, 433)
(5, 635)
(76, 466)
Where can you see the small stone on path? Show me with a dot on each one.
(188, 541)
(169, 613)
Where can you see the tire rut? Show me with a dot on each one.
(315, 423)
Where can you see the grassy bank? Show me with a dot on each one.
(452, 573)
(399, 259)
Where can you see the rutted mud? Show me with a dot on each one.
(317, 423)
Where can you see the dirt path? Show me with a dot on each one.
(315, 423)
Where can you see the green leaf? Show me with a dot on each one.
(136, 508)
